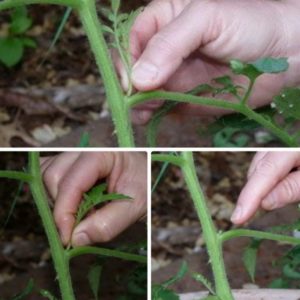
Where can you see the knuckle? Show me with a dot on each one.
(51, 177)
(265, 167)
(291, 188)
(103, 230)
(162, 43)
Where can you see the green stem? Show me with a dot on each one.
(175, 160)
(218, 103)
(8, 4)
(115, 96)
(228, 235)
(214, 246)
(106, 252)
(60, 259)
(248, 93)
(22, 176)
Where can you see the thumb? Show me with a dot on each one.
(167, 49)
(106, 223)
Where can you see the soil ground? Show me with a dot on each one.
(24, 251)
(176, 234)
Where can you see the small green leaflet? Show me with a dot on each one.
(200, 278)
(84, 140)
(249, 257)
(11, 51)
(95, 197)
(254, 69)
(288, 103)
(20, 22)
(94, 277)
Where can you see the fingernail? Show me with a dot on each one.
(63, 237)
(237, 214)
(143, 71)
(81, 239)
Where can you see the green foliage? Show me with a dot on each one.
(254, 69)
(161, 291)
(200, 278)
(120, 31)
(290, 266)
(94, 197)
(288, 103)
(12, 46)
(94, 277)
(249, 257)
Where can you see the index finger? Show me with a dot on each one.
(268, 171)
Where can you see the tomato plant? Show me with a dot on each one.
(62, 256)
(214, 239)
(121, 102)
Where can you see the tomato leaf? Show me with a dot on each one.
(249, 257)
(288, 103)
(94, 276)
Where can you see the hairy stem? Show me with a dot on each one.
(228, 235)
(242, 108)
(214, 246)
(22, 176)
(175, 160)
(106, 252)
(115, 96)
(60, 259)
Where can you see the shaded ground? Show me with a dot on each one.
(176, 234)
(24, 251)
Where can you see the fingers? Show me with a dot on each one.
(81, 176)
(55, 168)
(164, 54)
(286, 192)
(129, 177)
(106, 223)
(270, 169)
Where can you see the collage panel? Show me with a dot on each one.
(73, 225)
(225, 225)
(95, 74)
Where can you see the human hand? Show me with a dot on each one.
(67, 176)
(179, 44)
(273, 182)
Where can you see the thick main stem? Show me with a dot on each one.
(60, 259)
(115, 96)
(213, 243)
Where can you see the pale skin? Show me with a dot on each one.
(68, 175)
(179, 44)
(273, 182)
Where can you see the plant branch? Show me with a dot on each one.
(106, 252)
(115, 96)
(22, 176)
(175, 160)
(219, 103)
(60, 260)
(228, 235)
(214, 247)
